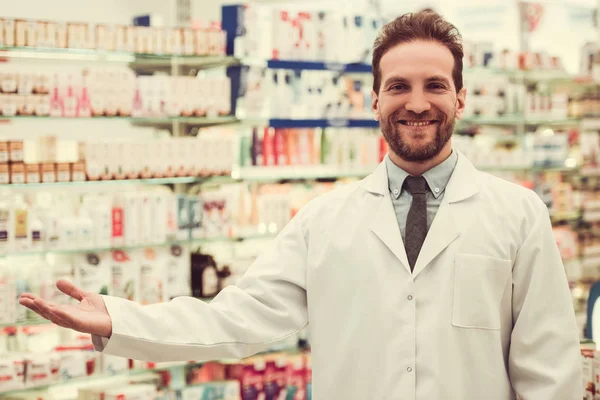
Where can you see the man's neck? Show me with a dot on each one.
(419, 168)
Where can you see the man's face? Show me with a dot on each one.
(417, 101)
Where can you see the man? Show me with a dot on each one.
(427, 280)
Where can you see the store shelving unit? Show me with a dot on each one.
(181, 65)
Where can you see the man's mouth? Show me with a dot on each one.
(417, 123)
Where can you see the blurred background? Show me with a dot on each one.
(152, 149)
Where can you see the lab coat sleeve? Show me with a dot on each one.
(267, 305)
(544, 360)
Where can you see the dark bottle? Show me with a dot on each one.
(204, 274)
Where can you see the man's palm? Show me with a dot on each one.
(89, 315)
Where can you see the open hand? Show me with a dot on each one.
(88, 316)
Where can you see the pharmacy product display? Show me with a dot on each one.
(538, 150)
(47, 222)
(48, 159)
(485, 55)
(207, 40)
(111, 92)
(344, 149)
(280, 93)
(148, 275)
(272, 376)
(255, 30)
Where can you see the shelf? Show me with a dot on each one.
(271, 174)
(319, 66)
(46, 53)
(526, 168)
(510, 120)
(136, 374)
(166, 62)
(529, 75)
(150, 181)
(320, 123)
(135, 60)
(28, 322)
(197, 121)
(217, 239)
(566, 217)
(140, 121)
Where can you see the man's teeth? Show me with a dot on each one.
(409, 123)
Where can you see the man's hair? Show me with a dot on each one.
(424, 25)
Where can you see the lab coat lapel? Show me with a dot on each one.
(383, 219)
(446, 226)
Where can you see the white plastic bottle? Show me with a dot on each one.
(22, 236)
(37, 232)
(5, 222)
(69, 238)
(22, 272)
(7, 294)
(102, 221)
(85, 232)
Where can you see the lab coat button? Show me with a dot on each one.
(409, 297)
(409, 369)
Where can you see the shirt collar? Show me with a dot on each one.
(437, 177)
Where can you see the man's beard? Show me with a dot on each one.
(402, 147)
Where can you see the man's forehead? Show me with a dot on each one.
(417, 59)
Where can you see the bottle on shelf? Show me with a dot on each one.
(56, 102)
(22, 235)
(38, 234)
(71, 106)
(6, 215)
(85, 106)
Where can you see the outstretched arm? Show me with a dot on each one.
(267, 305)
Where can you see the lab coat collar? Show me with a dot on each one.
(463, 184)
(446, 226)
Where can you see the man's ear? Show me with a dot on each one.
(461, 98)
(375, 105)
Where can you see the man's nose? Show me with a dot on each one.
(418, 103)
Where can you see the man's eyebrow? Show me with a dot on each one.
(395, 79)
(438, 78)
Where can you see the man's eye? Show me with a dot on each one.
(398, 87)
(437, 86)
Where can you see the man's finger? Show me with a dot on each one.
(28, 296)
(45, 308)
(70, 290)
(29, 303)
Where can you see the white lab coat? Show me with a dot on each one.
(486, 314)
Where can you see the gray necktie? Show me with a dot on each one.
(416, 222)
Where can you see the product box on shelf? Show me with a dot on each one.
(41, 369)
(5, 175)
(32, 173)
(587, 359)
(17, 173)
(112, 365)
(132, 392)
(92, 271)
(125, 275)
(227, 390)
(177, 259)
(76, 361)
(153, 277)
(12, 373)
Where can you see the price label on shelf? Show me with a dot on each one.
(338, 122)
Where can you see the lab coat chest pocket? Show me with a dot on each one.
(479, 283)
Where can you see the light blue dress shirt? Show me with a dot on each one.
(437, 178)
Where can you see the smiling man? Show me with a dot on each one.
(426, 280)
